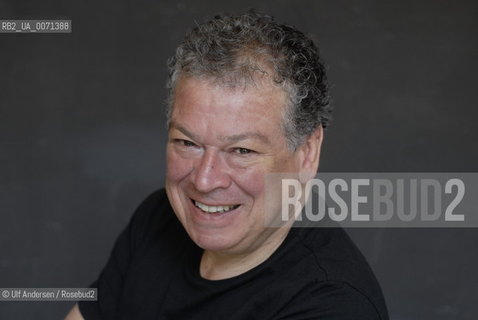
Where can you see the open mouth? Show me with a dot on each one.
(214, 209)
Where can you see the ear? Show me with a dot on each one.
(310, 155)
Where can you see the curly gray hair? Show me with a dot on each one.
(232, 48)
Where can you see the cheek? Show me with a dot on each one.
(177, 167)
(251, 181)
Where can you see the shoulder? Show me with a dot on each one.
(153, 202)
(131, 249)
(335, 254)
(149, 220)
(343, 282)
(333, 300)
(152, 214)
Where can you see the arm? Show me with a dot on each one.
(74, 314)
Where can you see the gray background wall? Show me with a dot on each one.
(82, 132)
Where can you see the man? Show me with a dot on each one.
(248, 98)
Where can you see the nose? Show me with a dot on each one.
(210, 172)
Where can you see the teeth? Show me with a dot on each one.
(213, 209)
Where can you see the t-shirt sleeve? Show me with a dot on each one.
(111, 279)
(332, 301)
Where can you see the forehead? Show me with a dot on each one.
(261, 96)
(210, 110)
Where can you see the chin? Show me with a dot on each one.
(214, 242)
(211, 242)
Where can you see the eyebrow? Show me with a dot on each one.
(230, 139)
(246, 135)
(174, 125)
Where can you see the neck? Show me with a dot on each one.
(224, 265)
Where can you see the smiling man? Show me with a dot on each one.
(248, 98)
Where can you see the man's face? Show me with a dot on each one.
(222, 142)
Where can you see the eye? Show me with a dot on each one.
(184, 143)
(242, 151)
(188, 143)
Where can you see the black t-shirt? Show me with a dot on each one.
(153, 273)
